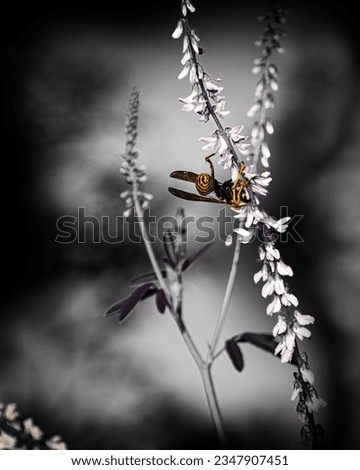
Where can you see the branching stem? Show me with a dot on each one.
(203, 366)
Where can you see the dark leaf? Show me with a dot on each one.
(146, 278)
(151, 291)
(194, 256)
(170, 247)
(235, 354)
(125, 306)
(161, 301)
(263, 341)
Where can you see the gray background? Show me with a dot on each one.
(65, 83)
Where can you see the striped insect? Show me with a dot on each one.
(228, 192)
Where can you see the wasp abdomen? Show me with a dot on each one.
(204, 183)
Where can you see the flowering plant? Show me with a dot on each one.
(246, 158)
(19, 433)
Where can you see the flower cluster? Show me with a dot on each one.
(309, 400)
(291, 324)
(217, 144)
(17, 433)
(266, 84)
(134, 174)
(206, 97)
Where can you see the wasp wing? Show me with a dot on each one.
(194, 197)
(184, 175)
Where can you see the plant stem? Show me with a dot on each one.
(226, 301)
(205, 94)
(202, 365)
(150, 252)
(213, 403)
(206, 377)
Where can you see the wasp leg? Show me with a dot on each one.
(207, 159)
(241, 169)
(236, 192)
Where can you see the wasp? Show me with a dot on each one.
(228, 192)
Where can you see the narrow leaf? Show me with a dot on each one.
(170, 247)
(263, 341)
(235, 354)
(145, 278)
(161, 301)
(125, 306)
(194, 256)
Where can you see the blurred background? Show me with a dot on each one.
(65, 81)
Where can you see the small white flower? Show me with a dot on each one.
(272, 253)
(211, 143)
(245, 236)
(235, 133)
(265, 162)
(307, 374)
(212, 86)
(296, 390)
(301, 332)
(265, 149)
(185, 70)
(281, 225)
(283, 269)
(268, 287)
(280, 327)
(178, 30)
(10, 412)
(303, 319)
(274, 306)
(257, 69)
(274, 84)
(259, 275)
(185, 44)
(193, 74)
(269, 127)
(269, 101)
(314, 402)
(289, 299)
(7, 441)
(279, 285)
(147, 196)
(254, 109)
(125, 194)
(34, 431)
(226, 159)
(194, 41)
(127, 212)
(189, 6)
(229, 240)
(56, 443)
(285, 348)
